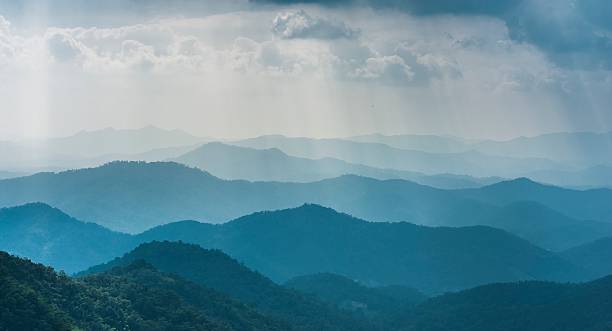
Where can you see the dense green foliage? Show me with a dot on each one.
(137, 297)
(135, 196)
(214, 269)
(313, 239)
(523, 306)
(372, 302)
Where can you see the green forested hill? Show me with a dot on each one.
(216, 270)
(136, 297)
(522, 306)
(373, 302)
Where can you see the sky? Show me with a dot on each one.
(238, 68)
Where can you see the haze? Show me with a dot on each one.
(236, 69)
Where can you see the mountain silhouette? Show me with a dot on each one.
(594, 256)
(306, 240)
(312, 239)
(470, 162)
(136, 196)
(49, 236)
(235, 162)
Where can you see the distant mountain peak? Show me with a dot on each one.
(307, 213)
(230, 147)
(151, 165)
(177, 246)
(314, 206)
(517, 182)
(34, 208)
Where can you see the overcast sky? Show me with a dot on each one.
(234, 68)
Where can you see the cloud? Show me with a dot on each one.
(299, 24)
(389, 69)
(402, 72)
(427, 65)
(62, 46)
(419, 7)
(6, 44)
(574, 34)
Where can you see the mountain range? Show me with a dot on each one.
(234, 162)
(136, 196)
(177, 286)
(595, 256)
(567, 159)
(136, 297)
(92, 148)
(380, 302)
(215, 270)
(578, 148)
(306, 240)
(522, 306)
(590, 177)
(472, 163)
(49, 236)
(577, 159)
(592, 204)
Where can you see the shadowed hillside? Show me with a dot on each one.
(373, 302)
(214, 269)
(311, 239)
(49, 236)
(524, 306)
(136, 297)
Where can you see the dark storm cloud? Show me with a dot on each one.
(420, 7)
(574, 34)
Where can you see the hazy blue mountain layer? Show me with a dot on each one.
(471, 162)
(580, 148)
(306, 240)
(135, 196)
(594, 256)
(234, 162)
(593, 204)
(591, 177)
(92, 148)
(49, 236)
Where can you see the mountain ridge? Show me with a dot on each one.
(135, 196)
(311, 239)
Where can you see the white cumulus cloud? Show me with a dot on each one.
(299, 24)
